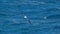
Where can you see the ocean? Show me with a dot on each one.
(41, 17)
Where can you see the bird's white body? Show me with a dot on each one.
(25, 17)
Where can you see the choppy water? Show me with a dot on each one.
(43, 14)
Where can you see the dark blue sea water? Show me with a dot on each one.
(43, 14)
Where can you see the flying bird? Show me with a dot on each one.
(27, 19)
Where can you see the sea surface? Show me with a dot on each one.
(44, 16)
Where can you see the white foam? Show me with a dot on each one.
(59, 8)
(45, 17)
(42, 3)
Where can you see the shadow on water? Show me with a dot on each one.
(57, 27)
(17, 24)
(57, 16)
(1, 14)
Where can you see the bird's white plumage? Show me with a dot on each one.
(25, 16)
